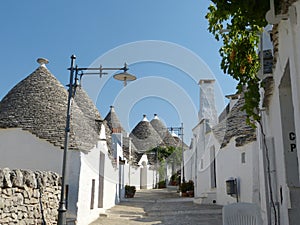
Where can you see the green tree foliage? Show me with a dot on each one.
(166, 155)
(238, 24)
(170, 153)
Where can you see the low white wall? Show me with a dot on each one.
(151, 178)
(135, 174)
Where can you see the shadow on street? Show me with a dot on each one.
(160, 206)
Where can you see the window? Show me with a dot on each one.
(67, 195)
(213, 175)
(243, 157)
(92, 194)
(101, 180)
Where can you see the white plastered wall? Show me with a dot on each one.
(288, 53)
(22, 150)
(229, 165)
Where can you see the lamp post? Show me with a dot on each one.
(76, 74)
(156, 174)
(180, 133)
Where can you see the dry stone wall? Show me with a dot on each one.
(28, 197)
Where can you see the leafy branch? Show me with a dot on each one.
(171, 153)
(238, 24)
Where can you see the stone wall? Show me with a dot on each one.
(28, 197)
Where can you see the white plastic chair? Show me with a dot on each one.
(241, 213)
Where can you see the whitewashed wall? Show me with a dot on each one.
(22, 150)
(277, 119)
(189, 164)
(150, 178)
(229, 165)
(89, 170)
(111, 179)
(203, 142)
(134, 176)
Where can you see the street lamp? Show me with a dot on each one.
(76, 74)
(180, 132)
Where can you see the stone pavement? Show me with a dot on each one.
(160, 206)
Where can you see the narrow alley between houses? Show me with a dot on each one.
(160, 206)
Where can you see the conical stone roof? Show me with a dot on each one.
(144, 136)
(235, 126)
(163, 132)
(88, 109)
(39, 104)
(113, 121)
(159, 126)
(178, 141)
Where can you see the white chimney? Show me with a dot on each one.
(207, 101)
(145, 118)
(156, 117)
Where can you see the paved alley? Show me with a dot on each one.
(160, 206)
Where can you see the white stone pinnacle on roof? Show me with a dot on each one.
(112, 108)
(42, 61)
(173, 134)
(156, 117)
(145, 118)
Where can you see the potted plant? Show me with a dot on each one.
(162, 184)
(190, 188)
(184, 189)
(129, 191)
(174, 180)
(187, 189)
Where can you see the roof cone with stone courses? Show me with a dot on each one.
(144, 136)
(39, 104)
(178, 141)
(163, 132)
(113, 121)
(235, 126)
(88, 108)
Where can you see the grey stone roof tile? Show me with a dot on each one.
(235, 126)
(113, 121)
(39, 103)
(144, 136)
(162, 130)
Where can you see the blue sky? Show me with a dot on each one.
(90, 29)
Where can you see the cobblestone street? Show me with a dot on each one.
(160, 206)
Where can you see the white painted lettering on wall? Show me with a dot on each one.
(292, 137)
